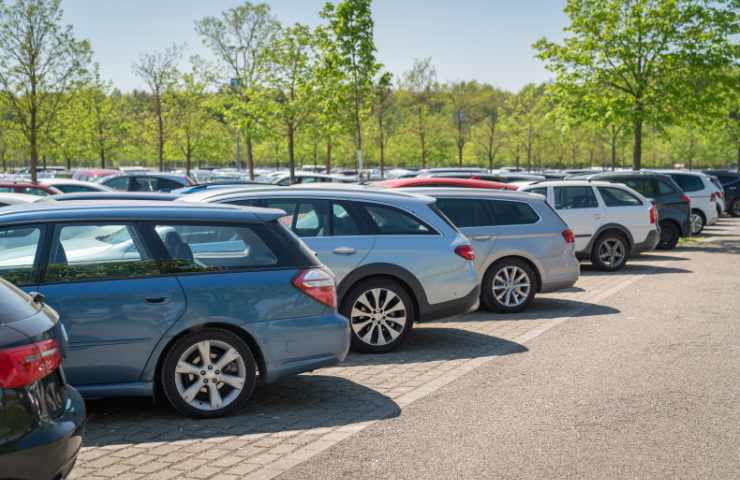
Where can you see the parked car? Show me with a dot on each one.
(28, 188)
(419, 182)
(501, 176)
(114, 195)
(610, 221)
(218, 185)
(427, 171)
(147, 182)
(17, 198)
(187, 300)
(93, 174)
(674, 207)
(66, 185)
(703, 195)
(396, 259)
(522, 246)
(42, 418)
(731, 184)
(283, 179)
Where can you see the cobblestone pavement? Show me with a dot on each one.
(290, 422)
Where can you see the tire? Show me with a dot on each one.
(215, 398)
(610, 252)
(381, 313)
(698, 221)
(669, 236)
(735, 208)
(509, 286)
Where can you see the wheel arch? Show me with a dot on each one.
(610, 228)
(517, 256)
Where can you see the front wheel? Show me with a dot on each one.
(610, 252)
(509, 286)
(735, 208)
(381, 314)
(669, 236)
(208, 374)
(697, 222)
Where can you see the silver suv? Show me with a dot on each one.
(522, 246)
(396, 259)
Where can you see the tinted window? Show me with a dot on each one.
(646, 186)
(342, 220)
(18, 246)
(73, 188)
(213, 248)
(665, 188)
(539, 191)
(725, 179)
(512, 213)
(167, 185)
(7, 189)
(98, 252)
(465, 212)
(143, 184)
(616, 197)
(307, 218)
(567, 198)
(33, 191)
(118, 183)
(389, 221)
(688, 183)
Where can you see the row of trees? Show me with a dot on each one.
(638, 81)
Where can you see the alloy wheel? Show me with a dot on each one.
(378, 317)
(210, 375)
(511, 286)
(697, 223)
(612, 252)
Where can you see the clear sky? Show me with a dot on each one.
(485, 40)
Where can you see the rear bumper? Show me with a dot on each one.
(50, 450)
(458, 306)
(648, 245)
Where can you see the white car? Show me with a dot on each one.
(7, 199)
(703, 195)
(67, 185)
(610, 221)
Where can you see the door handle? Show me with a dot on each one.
(157, 300)
(481, 238)
(344, 251)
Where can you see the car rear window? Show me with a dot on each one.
(512, 213)
(465, 212)
(688, 183)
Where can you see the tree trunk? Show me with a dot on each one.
(529, 149)
(188, 161)
(291, 153)
(328, 155)
(250, 156)
(382, 146)
(637, 146)
(614, 152)
(460, 146)
(423, 139)
(316, 154)
(34, 149)
(160, 128)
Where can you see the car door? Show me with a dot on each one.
(578, 206)
(105, 284)
(626, 209)
(472, 217)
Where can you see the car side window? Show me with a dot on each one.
(307, 218)
(143, 184)
(98, 252)
(688, 183)
(34, 191)
(18, 247)
(167, 185)
(343, 222)
(540, 191)
(120, 183)
(512, 213)
(570, 198)
(664, 188)
(645, 186)
(616, 197)
(213, 248)
(391, 221)
(465, 212)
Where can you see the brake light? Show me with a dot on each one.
(569, 236)
(715, 197)
(652, 214)
(27, 364)
(318, 284)
(686, 199)
(466, 252)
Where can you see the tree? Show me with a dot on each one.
(421, 84)
(384, 109)
(642, 60)
(159, 71)
(351, 23)
(191, 116)
(490, 137)
(40, 59)
(241, 39)
(104, 108)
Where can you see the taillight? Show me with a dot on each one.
(466, 252)
(27, 364)
(318, 284)
(652, 214)
(715, 197)
(686, 199)
(569, 236)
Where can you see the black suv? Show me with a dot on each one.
(41, 417)
(731, 183)
(674, 208)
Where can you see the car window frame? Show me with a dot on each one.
(373, 226)
(616, 187)
(587, 187)
(489, 205)
(42, 249)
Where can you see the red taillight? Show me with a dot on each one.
(318, 284)
(686, 199)
(27, 364)
(466, 252)
(652, 214)
(569, 236)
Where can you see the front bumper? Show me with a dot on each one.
(648, 245)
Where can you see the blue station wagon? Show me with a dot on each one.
(194, 301)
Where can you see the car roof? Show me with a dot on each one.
(570, 183)
(44, 212)
(64, 181)
(20, 197)
(115, 195)
(474, 192)
(679, 172)
(431, 181)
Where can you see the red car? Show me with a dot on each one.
(28, 188)
(444, 182)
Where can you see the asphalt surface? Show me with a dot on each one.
(651, 390)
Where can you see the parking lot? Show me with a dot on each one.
(290, 422)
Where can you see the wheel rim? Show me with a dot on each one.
(612, 252)
(511, 286)
(378, 317)
(697, 223)
(667, 235)
(210, 375)
(736, 208)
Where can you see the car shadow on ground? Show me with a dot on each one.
(656, 257)
(546, 308)
(296, 403)
(631, 269)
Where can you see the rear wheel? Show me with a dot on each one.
(669, 236)
(208, 374)
(509, 286)
(381, 314)
(735, 208)
(697, 222)
(610, 252)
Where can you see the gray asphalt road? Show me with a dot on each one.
(649, 391)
